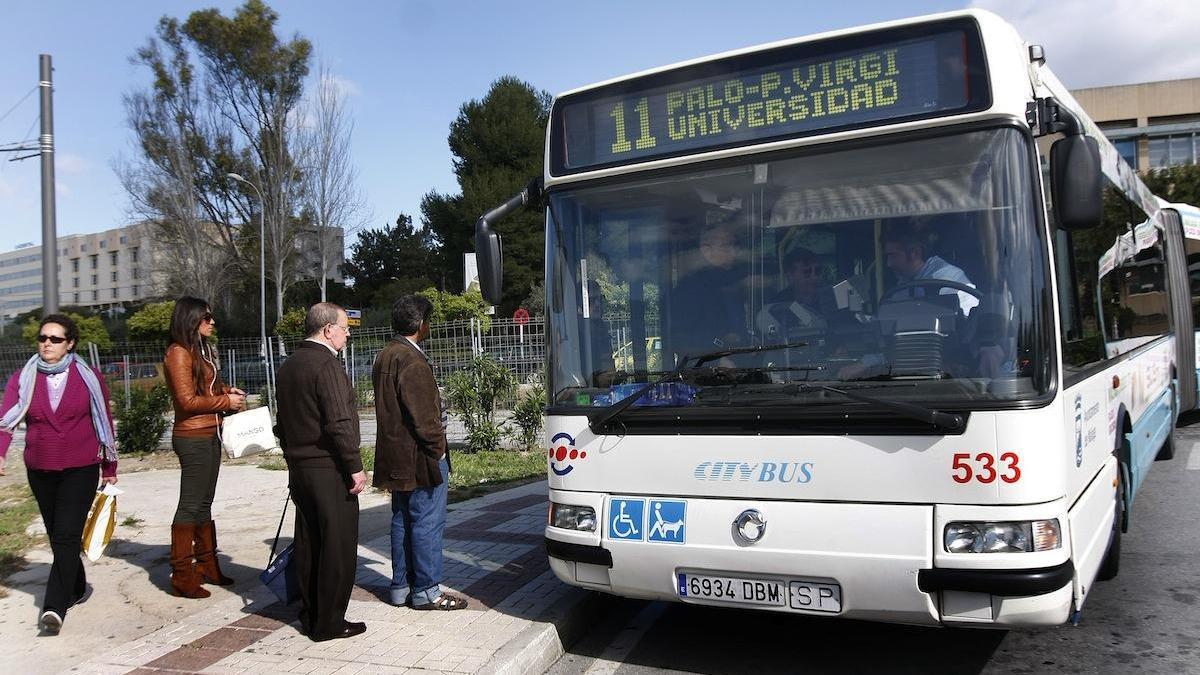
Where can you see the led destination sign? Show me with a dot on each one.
(791, 91)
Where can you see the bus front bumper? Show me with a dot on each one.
(886, 572)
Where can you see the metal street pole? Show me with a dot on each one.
(49, 226)
(262, 283)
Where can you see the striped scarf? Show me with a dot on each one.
(13, 416)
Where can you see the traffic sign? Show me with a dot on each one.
(521, 316)
(354, 317)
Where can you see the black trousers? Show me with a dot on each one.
(64, 498)
(199, 464)
(326, 546)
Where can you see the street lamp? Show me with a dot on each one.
(262, 279)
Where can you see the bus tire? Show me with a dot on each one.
(1111, 565)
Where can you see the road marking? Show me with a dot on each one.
(1194, 457)
(618, 650)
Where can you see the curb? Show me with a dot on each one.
(538, 647)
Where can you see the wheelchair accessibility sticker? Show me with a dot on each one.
(627, 518)
(667, 521)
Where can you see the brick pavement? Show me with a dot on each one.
(493, 555)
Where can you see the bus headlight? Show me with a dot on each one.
(573, 517)
(1001, 537)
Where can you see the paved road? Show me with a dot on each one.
(1147, 620)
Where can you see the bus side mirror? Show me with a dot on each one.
(489, 258)
(488, 255)
(1076, 182)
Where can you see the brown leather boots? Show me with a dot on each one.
(185, 578)
(206, 554)
(194, 559)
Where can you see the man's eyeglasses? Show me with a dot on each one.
(54, 339)
(338, 325)
(207, 317)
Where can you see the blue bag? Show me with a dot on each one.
(280, 575)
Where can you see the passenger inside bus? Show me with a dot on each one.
(711, 297)
(807, 306)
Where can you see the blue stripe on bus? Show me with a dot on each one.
(1149, 433)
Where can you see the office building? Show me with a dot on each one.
(1153, 124)
(99, 270)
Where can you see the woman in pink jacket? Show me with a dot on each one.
(69, 445)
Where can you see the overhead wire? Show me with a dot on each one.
(10, 110)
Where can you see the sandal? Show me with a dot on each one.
(445, 602)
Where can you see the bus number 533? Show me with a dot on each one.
(986, 467)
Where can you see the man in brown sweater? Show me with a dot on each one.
(412, 459)
(318, 429)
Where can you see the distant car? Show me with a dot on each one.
(141, 375)
(623, 357)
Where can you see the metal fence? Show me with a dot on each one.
(450, 346)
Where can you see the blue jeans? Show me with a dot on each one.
(418, 520)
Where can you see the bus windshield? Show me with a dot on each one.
(916, 269)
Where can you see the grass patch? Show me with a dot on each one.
(17, 511)
(132, 521)
(273, 464)
(280, 464)
(476, 473)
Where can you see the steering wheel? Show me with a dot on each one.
(935, 283)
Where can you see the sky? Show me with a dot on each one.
(408, 65)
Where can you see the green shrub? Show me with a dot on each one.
(141, 423)
(527, 417)
(484, 436)
(472, 394)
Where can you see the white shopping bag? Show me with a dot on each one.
(248, 433)
(98, 529)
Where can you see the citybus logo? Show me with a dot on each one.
(563, 453)
(758, 472)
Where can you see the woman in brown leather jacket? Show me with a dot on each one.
(199, 397)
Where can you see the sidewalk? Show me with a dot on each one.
(494, 556)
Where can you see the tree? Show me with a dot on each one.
(152, 322)
(176, 184)
(535, 302)
(452, 307)
(292, 322)
(1180, 184)
(497, 143)
(257, 83)
(331, 194)
(91, 330)
(195, 125)
(381, 257)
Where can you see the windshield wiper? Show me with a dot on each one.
(948, 421)
(598, 419)
(722, 353)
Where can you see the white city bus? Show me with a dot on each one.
(895, 330)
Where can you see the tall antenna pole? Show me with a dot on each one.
(49, 226)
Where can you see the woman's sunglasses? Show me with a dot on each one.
(207, 317)
(54, 339)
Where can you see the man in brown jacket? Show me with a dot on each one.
(318, 429)
(412, 458)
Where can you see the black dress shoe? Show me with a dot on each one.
(349, 629)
